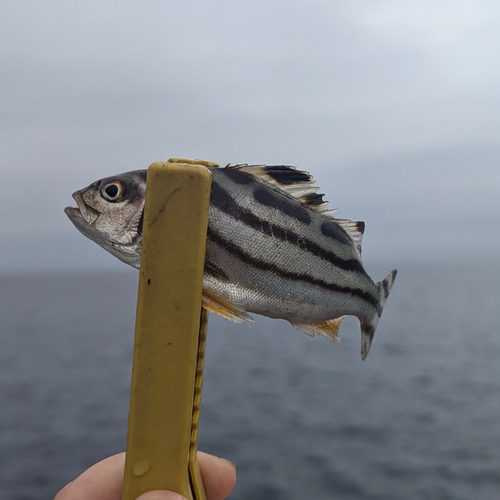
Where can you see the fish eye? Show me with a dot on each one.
(113, 191)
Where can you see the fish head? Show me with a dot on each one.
(110, 213)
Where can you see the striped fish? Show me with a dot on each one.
(273, 247)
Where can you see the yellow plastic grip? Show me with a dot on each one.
(169, 337)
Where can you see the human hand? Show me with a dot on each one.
(104, 481)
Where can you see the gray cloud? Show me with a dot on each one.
(392, 106)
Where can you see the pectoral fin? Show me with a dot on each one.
(226, 309)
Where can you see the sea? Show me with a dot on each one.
(302, 418)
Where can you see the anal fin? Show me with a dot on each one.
(328, 328)
(226, 309)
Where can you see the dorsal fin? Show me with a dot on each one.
(354, 230)
(296, 183)
(282, 176)
(299, 185)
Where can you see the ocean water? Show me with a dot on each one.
(300, 417)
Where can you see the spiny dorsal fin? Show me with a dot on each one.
(294, 182)
(354, 230)
(284, 176)
(299, 185)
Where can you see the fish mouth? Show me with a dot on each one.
(83, 212)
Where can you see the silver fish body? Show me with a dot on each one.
(273, 247)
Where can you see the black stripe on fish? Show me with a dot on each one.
(142, 174)
(283, 174)
(246, 258)
(385, 284)
(313, 199)
(221, 199)
(369, 330)
(238, 176)
(141, 223)
(290, 208)
(215, 271)
(334, 231)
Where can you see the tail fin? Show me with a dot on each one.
(368, 326)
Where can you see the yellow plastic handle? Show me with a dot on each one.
(169, 338)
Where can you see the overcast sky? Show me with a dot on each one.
(394, 106)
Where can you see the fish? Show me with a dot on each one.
(273, 247)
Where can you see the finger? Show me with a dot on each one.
(102, 481)
(218, 475)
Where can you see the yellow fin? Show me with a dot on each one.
(224, 308)
(328, 328)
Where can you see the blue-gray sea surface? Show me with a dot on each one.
(301, 417)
